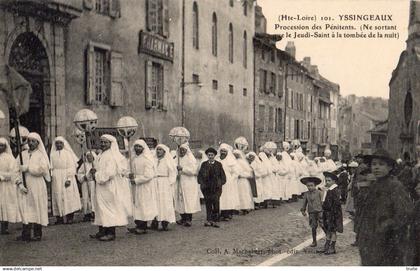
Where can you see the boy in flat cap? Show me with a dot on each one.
(332, 215)
(312, 201)
(384, 221)
(211, 178)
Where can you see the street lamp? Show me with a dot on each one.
(241, 143)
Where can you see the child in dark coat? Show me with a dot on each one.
(332, 214)
(312, 201)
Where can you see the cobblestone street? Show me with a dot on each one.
(246, 240)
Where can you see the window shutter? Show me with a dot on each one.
(151, 14)
(165, 87)
(160, 88)
(88, 4)
(115, 9)
(280, 86)
(148, 84)
(90, 75)
(165, 18)
(117, 95)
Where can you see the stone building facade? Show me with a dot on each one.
(114, 57)
(404, 94)
(219, 71)
(358, 116)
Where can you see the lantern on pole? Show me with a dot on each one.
(86, 121)
(127, 128)
(179, 135)
(81, 139)
(241, 143)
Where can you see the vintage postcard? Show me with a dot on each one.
(209, 133)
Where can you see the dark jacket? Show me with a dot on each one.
(331, 211)
(211, 178)
(384, 223)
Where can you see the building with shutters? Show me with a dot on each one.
(218, 72)
(269, 85)
(404, 94)
(114, 57)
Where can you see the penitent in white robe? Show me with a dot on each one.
(9, 171)
(260, 173)
(187, 200)
(164, 181)
(146, 202)
(229, 200)
(109, 208)
(33, 206)
(65, 200)
(88, 188)
(246, 201)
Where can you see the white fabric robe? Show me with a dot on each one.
(109, 207)
(166, 177)
(260, 173)
(187, 188)
(124, 191)
(64, 200)
(268, 179)
(33, 206)
(282, 173)
(229, 200)
(292, 185)
(278, 190)
(146, 202)
(88, 188)
(330, 165)
(246, 201)
(9, 171)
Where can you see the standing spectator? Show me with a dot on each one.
(384, 222)
(211, 178)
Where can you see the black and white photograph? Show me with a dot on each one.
(209, 133)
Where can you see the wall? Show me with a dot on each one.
(214, 116)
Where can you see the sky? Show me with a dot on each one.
(360, 66)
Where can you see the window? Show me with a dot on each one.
(261, 117)
(231, 3)
(309, 130)
(280, 86)
(102, 6)
(245, 8)
(195, 25)
(263, 81)
(104, 82)
(263, 54)
(302, 130)
(273, 83)
(287, 127)
(230, 43)
(297, 129)
(157, 17)
(231, 89)
(245, 52)
(244, 92)
(101, 76)
(196, 79)
(270, 119)
(156, 94)
(214, 35)
(279, 120)
(312, 109)
(215, 85)
(273, 55)
(292, 98)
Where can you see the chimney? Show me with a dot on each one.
(291, 49)
(260, 21)
(307, 62)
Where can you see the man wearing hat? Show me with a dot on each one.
(312, 201)
(211, 178)
(332, 216)
(384, 222)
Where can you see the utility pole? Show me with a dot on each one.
(183, 67)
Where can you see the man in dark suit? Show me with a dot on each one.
(211, 178)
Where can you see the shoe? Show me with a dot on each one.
(36, 238)
(331, 249)
(314, 244)
(20, 238)
(224, 219)
(187, 224)
(215, 225)
(86, 218)
(107, 238)
(326, 246)
(180, 222)
(207, 224)
(96, 236)
(137, 231)
(154, 226)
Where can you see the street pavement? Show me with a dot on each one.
(245, 240)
